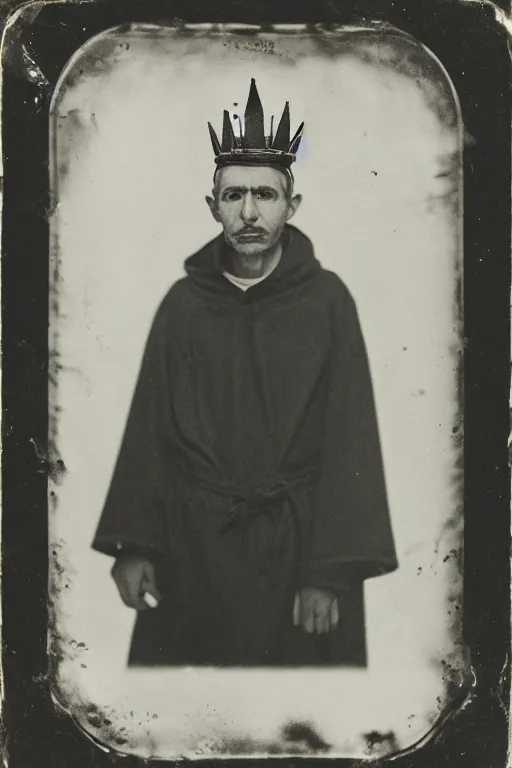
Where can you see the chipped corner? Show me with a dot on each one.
(501, 17)
(95, 723)
(17, 55)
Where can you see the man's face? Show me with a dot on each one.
(253, 204)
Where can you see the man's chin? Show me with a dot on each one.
(250, 248)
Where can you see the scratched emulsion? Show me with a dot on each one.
(380, 174)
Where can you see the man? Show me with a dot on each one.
(248, 503)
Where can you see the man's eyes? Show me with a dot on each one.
(261, 194)
(265, 194)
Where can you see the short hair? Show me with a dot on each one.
(290, 181)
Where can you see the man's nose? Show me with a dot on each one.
(249, 208)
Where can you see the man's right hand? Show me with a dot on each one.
(134, 575)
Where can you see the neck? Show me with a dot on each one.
(255, 266)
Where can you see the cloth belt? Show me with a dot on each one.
(266, 497)
(249, 502)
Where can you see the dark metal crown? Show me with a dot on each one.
(252, 147)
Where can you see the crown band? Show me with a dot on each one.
(241, 157)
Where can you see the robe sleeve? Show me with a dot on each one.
(352, 537)
(133, 516)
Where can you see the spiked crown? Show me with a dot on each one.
(252, 146)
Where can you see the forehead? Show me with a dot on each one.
(250, 176)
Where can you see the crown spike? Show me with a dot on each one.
(254, 128)
(295, 142)
(228, 135)
(215, 141)
(282, 139)
(245, 143)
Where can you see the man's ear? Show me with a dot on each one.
(212, 205)
(293, 206)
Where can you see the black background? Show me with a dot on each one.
(473, 49)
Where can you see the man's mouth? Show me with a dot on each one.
(251, 235)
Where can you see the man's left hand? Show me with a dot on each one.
(316, 610)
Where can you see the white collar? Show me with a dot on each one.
(247, 282)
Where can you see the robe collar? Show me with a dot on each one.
(297, 264)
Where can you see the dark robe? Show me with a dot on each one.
(251, 466)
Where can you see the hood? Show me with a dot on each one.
(297, 264)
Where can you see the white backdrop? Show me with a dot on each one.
(133, 163)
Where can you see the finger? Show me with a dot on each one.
(122, 592)
(130, 596)
(334, 614)
(308, 622)
(136, 596)
(296, 611)
(131, 582)
(323, 623)
(149, 583)
(120, 584)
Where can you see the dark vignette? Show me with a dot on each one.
(379, 45)
(473, 49)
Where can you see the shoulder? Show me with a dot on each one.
(172, 306)
(340, 304)
(335, 289)
(177, 293)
